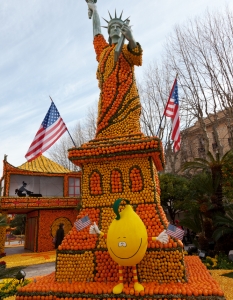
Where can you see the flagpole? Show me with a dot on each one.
(167, 103)
(160, 125)
(66, 128)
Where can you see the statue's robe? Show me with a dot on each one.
(119, 105)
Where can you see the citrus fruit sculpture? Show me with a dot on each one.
(127, 242)
(121, 163)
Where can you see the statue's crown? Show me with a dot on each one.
(114, 20)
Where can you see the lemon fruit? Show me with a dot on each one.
(127, 236)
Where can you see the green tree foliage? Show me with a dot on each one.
(213, 165)
(3, 220)
(224, 223)
(200, 186)
(197, 206)
(227, 171)
(10, 287)
(193, 220)
(174, 191)
(202, 219)
(200, 192)
(19, 221)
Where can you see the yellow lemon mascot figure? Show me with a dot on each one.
(127, 241)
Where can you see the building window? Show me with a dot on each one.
(184, 155)
(136, 179)
(2, 188)
(116, 181)
(74, 187)
(201, 151)
(215, 146)
(230, 141)
(95, 183)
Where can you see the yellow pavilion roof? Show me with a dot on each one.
(43, 164)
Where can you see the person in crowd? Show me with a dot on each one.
(59, 235)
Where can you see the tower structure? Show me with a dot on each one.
(122, 167)
(121, 162)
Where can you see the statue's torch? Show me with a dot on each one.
(89, 10)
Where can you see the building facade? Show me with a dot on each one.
(214, 134)
(47, 193)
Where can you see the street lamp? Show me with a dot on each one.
(20, 275)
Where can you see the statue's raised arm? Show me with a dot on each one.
(93, 13)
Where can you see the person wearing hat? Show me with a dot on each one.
(59, 235)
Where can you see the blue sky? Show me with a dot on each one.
(46, 50)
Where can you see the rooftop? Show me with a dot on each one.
(43, 164)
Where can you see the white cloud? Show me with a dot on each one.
(46, 49)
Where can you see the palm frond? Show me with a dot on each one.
(223, 220)
(211, 157)
(228, 155)
(3, 222)
(201, 185)
(228, 207)
(193, 165)
(192, 220)
(221, 231)
(202, 160)
(229, 212)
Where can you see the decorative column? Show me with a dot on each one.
(2, 235)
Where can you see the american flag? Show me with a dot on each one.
(82, 223)
(49, 132)
(175, 232)
(172, 111)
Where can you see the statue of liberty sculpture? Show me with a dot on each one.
(119, 105)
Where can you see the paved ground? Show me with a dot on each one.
(34, 270)
(16, 250)
(39, 270)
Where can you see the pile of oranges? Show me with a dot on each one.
(162, 267)
(75, 267)
(48, 226)
(95, 183)
(116, 181)
(97, 149)
(107, 269)
(81, 240)
(133, 146)
(200, 284)
(116, 82)
(164, 264)
(136, 186)
(107, 216)
(119, 104)
(2, 238)
(136, 179)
